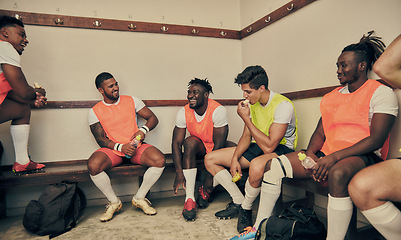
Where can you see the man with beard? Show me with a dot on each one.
(113, 123)
(207, 124)
(16, 96)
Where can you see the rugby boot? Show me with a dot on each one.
(244, 219)
(231, 211)
(111, 208)
(247, 234)
(31, 167)
(189, 211)
(203, 198)
(145, 205)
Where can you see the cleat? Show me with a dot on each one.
(31, 167)
(231, 211)
(203, 198)
(248, 233)
(189, 211)
(111, 208)
(145, 205)
(244, 219)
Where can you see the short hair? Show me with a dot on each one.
(203, 82)
(101, 78)
(368, 49)
(256, 76)
(6, 21)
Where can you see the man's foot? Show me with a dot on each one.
(231, 211)
(203, 198)
(31, 167)
(248, 233)
(145, 205)
(189, 211)
(111, 208)
(244, 219)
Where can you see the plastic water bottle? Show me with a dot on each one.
(136, 143)
(309, 164)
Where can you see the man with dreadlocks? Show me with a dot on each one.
(270, 130)
(207, 123)
(376, 189)
(355, 122)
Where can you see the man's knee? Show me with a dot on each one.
(157, 160)
(258, 168)
(340, 176)
(191, 144)
(97, 163)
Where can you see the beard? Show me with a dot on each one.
(111, 96)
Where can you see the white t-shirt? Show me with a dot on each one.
(92, 118)
(9, 55)
(383, 100)
(219, 117)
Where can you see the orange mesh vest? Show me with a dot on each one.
(4, 87)
(203, 129)
(118, 121)
(345, 117)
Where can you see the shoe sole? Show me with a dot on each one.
(224, 218)
(116, 212)
(28, 172)
(149, 214)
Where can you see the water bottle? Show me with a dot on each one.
(309, 164)
(136, 143)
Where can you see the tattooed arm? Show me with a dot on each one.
(100, 136)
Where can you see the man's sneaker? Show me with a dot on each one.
(189, 211)
(244, 219)
(31, 167)
(145, 205)
(111, 208)
(249, 233)
(203, 198)
(230, 211)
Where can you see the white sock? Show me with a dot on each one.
(251, 194)
(225, 179)
(269, 193)
(20, 136)
(386, 219)
(149, 179)
(190, 179)
(102, 181)
(339, 213)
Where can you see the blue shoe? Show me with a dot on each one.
(249, 233)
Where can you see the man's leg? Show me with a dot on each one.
(20, 115)
(339, 207)
(373, 190)
(98, 163)
(152, 157)
(215, 163)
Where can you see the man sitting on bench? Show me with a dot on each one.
(355, 122)
(113, 123)
(16, 96)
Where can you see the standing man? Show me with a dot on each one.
(376, 190)
(113, 123)
(16, 96)
(270, 129)
(356, 121)
(207, 123)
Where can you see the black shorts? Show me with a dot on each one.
(254, 151)
(369, 158)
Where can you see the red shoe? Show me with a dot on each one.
(203, 198)
(189, 211)
(19, 169)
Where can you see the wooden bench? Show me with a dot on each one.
(73, 170)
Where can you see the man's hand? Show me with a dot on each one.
(128, 149)
(235, 167)
(323, 167)
(179, 180)
(243, 109)
(40, 100)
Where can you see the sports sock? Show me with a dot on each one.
(251, 194)
(339, 213)
(102, 182)
(225, 179)
(150, 177)
(269, 193)
(20, 136)
(386, 219)
(190, 179)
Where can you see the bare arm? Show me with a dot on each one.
(316, 141)
(100, 136)
(388, 66)
(151, 120)
(176, 146)
(220, 137)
